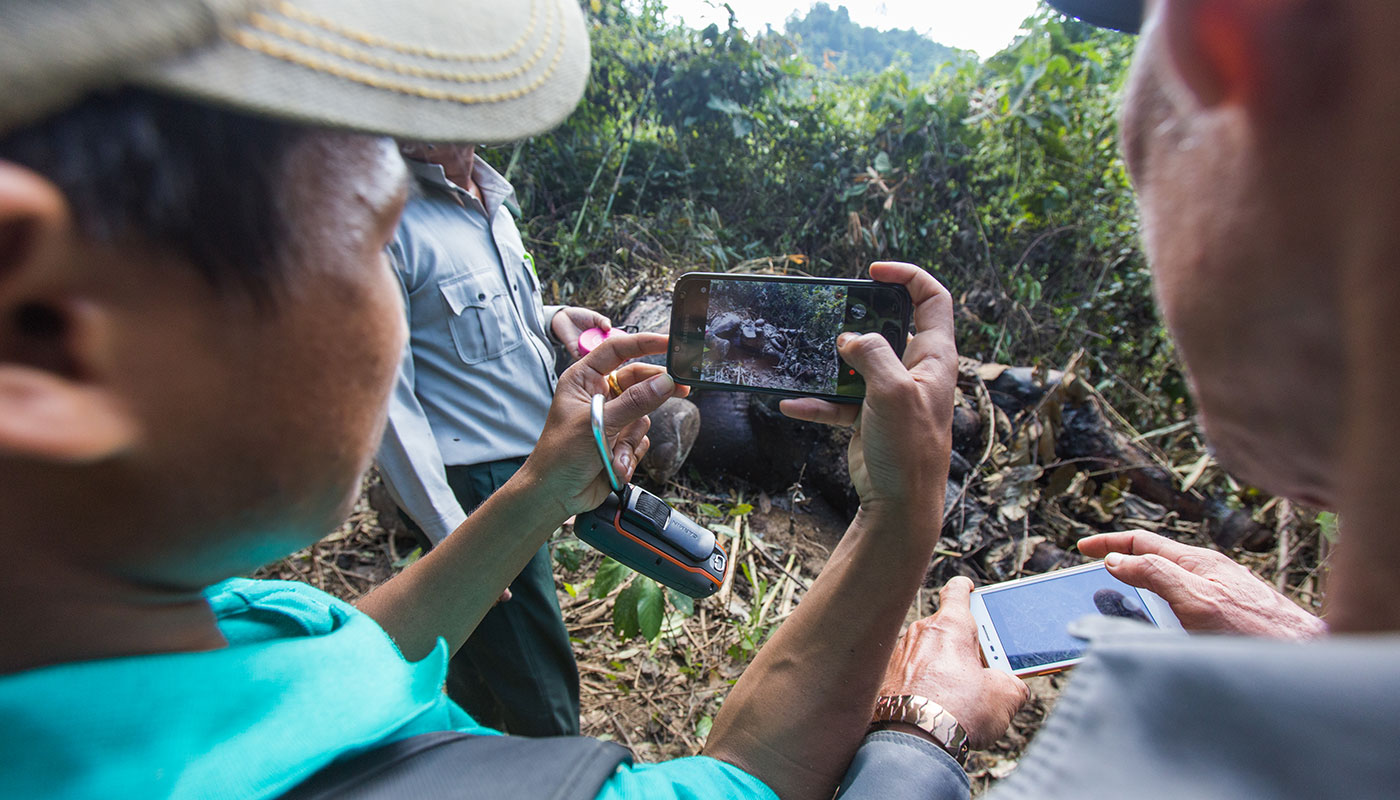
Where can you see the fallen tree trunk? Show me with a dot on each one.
(1088, 438)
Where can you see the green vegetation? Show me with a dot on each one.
(711, 149)
(828, 38)
(715, 150)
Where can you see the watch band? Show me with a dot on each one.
(929, 717)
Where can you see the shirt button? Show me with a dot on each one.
(481, 296)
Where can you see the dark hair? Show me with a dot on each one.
(197, 181)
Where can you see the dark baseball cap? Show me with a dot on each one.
(1120, 15)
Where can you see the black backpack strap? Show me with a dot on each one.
(458, 765)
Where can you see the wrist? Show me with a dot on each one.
(904, 727)
(551, 316)
(926, 718)
(530, 489)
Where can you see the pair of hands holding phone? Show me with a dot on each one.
(939, 656)
(888, 466)
(899, 458)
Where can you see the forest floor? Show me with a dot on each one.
(659, 698)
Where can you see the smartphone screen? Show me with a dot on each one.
(778, 334)
(1032, 618)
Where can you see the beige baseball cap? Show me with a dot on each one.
(483, 71)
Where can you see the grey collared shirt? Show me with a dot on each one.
(477, 375)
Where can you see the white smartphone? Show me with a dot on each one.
(1023, 625)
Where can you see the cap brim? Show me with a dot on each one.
(1120, 15)
(460, 71)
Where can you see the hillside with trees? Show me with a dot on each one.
(829, 39)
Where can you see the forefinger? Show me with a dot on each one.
(620, 348)
(1134, 543)
(933, 310)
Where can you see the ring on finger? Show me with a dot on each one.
(613, 384)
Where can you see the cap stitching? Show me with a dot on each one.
(281, 29)
(260, 44)
(374, 40)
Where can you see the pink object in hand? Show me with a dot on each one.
(589, 340)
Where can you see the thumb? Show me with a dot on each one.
(872, 357)
(637, 401)
(1154, 573)
(955, 610)
(955, 595)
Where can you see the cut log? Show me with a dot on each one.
(1088, 438)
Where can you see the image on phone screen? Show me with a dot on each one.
(781, 334)
(1032, 619)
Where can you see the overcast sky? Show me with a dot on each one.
(984, 26)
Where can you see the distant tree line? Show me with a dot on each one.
(828, 38)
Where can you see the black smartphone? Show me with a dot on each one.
(777, 334)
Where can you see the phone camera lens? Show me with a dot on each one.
(856, 312)
(704, 289)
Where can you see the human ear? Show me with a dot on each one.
(51, 408)
(1268, 56)
(1211, 47)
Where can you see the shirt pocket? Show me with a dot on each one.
(482, 320)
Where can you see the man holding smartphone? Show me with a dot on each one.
(1261, 138)
(474, 388)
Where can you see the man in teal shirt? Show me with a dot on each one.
(199, 333)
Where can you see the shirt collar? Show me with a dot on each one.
(495, 189)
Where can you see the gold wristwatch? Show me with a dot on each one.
(929, 717)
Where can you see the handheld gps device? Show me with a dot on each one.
(642, 531)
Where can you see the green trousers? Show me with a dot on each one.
(516, 673)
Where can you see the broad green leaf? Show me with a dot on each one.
(710, 510)
(703, 725)
(568, 556)
(609, 575)
(651, 607)
(740, 509)
(683, 603)
(625, 623)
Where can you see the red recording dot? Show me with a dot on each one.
(851, 372)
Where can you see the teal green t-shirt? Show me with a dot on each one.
(305, 679)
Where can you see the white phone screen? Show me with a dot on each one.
(1032, 619)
